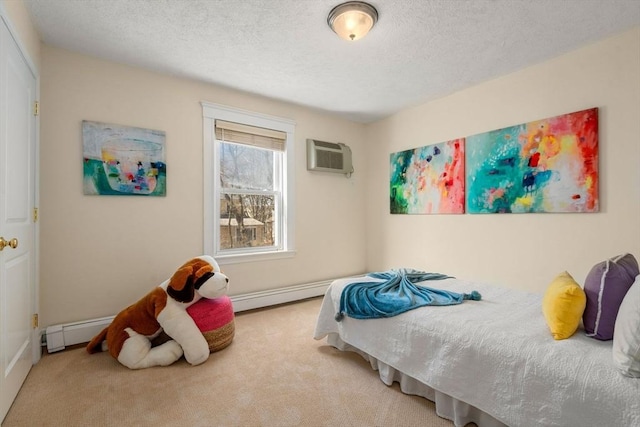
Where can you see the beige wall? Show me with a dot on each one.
(21, 23)
(519, 250)
(101, 253)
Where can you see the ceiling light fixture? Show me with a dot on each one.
(352, 20)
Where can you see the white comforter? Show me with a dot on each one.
(496, 354)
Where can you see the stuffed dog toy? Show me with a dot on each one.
(128, 337)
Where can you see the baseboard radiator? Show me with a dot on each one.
(58, 337)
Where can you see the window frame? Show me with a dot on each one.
(211, 196)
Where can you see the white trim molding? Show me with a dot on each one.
(212, 112)
(268, 298)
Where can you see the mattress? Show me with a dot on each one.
(493, 362)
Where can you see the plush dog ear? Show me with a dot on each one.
(202, 274)
(189, 277)
(181, 283)
(180, 277)
(203, 269)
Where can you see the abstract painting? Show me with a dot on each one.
(428, 180)
(549, 165)
(123, 160)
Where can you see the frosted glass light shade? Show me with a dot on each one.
(352, 20)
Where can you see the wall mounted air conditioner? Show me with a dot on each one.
(329, 157)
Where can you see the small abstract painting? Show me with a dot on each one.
(123, 160)
(428, 180)
(549, 165)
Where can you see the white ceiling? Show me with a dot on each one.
(419, 50)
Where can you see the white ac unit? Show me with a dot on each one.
(329, 157)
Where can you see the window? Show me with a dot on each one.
(248, 188)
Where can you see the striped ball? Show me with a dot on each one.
(216, 321)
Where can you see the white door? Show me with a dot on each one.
(17, 227)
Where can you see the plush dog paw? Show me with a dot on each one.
(168, 353)
(198, 358)
(196, 351)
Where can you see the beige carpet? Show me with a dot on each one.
(273, 374)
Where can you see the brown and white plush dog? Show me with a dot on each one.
(128, 337)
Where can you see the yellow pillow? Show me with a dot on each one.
(563, 305)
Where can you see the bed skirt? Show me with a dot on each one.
(457, 411)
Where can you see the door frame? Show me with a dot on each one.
(36, 332)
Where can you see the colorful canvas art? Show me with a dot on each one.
(549, 165)
(123, 160)
(428, 180)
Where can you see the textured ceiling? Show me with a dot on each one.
(418, 51)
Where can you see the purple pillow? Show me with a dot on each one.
(605, 286)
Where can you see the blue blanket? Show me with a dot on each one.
(396, 294)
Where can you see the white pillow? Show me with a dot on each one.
(626, 334)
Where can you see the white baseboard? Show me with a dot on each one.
(278, 296)
(58, 337)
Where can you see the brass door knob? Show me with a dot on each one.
(13, 243)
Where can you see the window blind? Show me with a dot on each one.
(250, 135)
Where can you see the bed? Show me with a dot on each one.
(492, 362)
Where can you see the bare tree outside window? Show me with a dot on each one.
(249, 173)
(247, 199)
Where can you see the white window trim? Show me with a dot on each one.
(211, 112)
